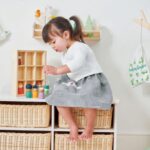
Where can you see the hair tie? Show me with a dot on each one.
(73, 24)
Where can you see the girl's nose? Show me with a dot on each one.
(53, 46)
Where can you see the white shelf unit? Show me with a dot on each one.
(53, 129)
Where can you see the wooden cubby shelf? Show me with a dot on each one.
(29, 68)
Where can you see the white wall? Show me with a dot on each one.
(119, 38)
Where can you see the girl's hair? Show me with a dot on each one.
(58, 25)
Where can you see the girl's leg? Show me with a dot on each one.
(90, 115)
(69, 118)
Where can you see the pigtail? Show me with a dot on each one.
(77, 31)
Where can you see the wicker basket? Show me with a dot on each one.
(98, 142)
(21, 115)
(24, 141)
(103, 120)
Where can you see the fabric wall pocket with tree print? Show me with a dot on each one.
(138, 69)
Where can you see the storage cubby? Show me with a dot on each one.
(25, 115)
(30, 73)
(103, 120)
(98, 142)
(24, 141)
(30, 56)
(21, 58)
(40, 58)
(104, 135)
(29, 68)
(39, 73)
(21, 73)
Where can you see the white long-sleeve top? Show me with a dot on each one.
(81, 61)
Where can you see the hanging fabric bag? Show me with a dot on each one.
(138, 68)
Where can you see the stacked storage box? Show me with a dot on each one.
(27, 116)
(98, 142)
(103, 120)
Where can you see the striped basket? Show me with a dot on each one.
(98, 142)
(103, 120)
(24, 141)
(21, 115)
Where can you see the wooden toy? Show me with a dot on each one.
(39, 22)
(41, 93)
(50, 13)
(37, 13)
(20, 88)
(46, 90)
(29, 70)
(35, 91)
(28, 91)
(89, 24)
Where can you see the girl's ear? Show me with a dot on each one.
(66, 35)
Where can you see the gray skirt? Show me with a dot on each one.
(90, 92)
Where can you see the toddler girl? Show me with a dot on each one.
(82, 83)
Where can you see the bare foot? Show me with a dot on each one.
(86, 134)
(73, 136)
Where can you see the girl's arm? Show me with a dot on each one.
(56, 70)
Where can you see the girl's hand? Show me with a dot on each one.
(50, 70)
(56, 70)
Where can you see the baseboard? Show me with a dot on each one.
(134, 133)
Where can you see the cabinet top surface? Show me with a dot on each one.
(10, 98)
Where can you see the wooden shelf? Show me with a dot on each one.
(55, 129)
(29, 68)
(24, 129)
(88, 35)
(22, 98)
(91, 39)
(91, 35)
(80, 130)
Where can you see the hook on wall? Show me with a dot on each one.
(143, 20)
(3, 34)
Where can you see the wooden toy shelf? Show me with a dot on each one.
(91, 35)
(88, 35)
(29, 68)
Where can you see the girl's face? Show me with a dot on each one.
(58, 43)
